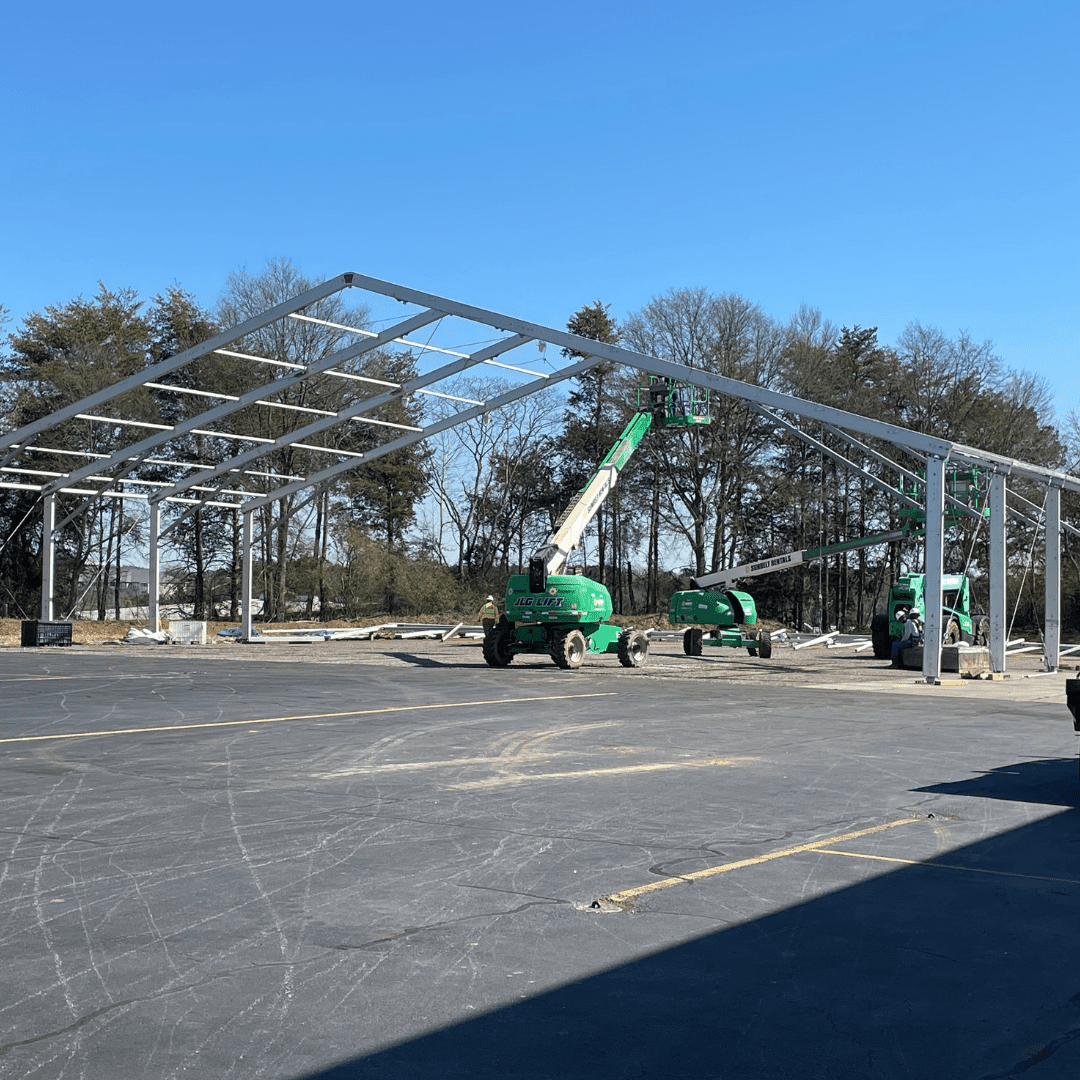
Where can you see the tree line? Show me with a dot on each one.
(435, 525)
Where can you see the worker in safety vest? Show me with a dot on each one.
(489, 615)
(912, 635)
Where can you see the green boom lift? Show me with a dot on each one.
(565, 616)
(712, 602)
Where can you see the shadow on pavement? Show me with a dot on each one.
(1038, 781)
(921, 972)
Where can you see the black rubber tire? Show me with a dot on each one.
(633, 648)
(951, 635)
(764, 645)
(980, 625)
(691, 641)
(568, 650)
(497, 648)
(880, 636)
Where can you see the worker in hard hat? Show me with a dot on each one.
(489, 615)
(912, 635)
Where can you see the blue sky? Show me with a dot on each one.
(883, 162)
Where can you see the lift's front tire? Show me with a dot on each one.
(691, 641)
(633, 648)
(764, 646)
(879, 635)
(952, 633)
(497, 648)
(981, 628)
(569, 649)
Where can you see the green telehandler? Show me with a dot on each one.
(908, 593)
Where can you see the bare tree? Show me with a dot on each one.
(487, 478)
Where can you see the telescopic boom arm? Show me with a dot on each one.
(575, 519)
(724, 579)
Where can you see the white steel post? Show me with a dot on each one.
(48, 558)
(245, 576)
(935, 546)
(1052, 627)
(153, 585)
(998, 581)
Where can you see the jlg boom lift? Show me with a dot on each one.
(565, 616)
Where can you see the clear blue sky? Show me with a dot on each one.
(883, 162)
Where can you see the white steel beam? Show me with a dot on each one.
(247, 570)
(1010, 466)
(935, 555)
(922, 444)
(232, 465)
(154, 583)
(48, 558)
(869, 477)
(127, 457)
(132, 382)
(907, 474)
(432, 429)
(999, 615)
(1040, 511)
(1052, 536)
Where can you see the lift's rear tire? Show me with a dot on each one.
(569, 649)
(633, 648)
(497, 648)
(691, 641)
(879, 635)
(764, 645)
(980, 625)
(952, 633)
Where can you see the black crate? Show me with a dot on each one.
(45, 633)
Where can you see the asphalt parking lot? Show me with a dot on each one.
(384, 859)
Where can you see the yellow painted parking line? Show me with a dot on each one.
(757, 860)
(308, 716)
(932, 864)
(576, 774)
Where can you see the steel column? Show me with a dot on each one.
(998, 581)
(153, 585)
(935, 554)
(1052, 626)
(48, 558)
(246, 571)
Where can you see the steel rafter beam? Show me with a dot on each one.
(155, 371)
(1041, 511)
(354, 410)
(956, 504)
(915, 441)
(129, 457)
(432, 429)
(921, 444)
(1011, 467)
(839, 458)
(232, 464)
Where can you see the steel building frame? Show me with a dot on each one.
(216, 485)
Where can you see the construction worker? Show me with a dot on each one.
(912, 635)
(489, 615)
